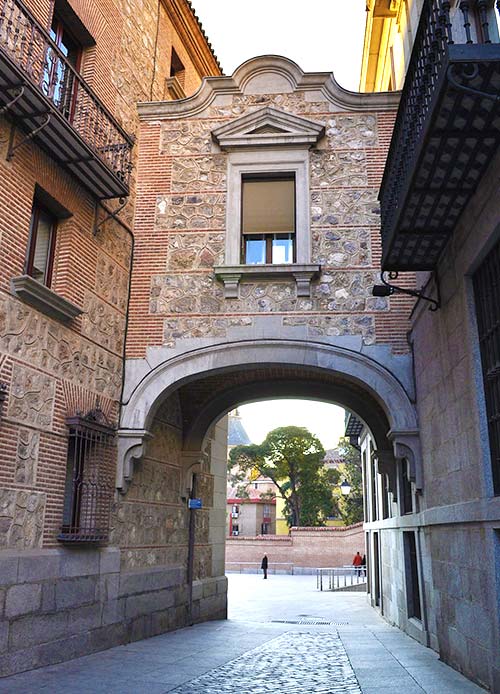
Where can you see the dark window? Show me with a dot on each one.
(268, 219)
(412, 582)
(264, 529)
(406, 491)
(41, 245)
(177, 69)
(60, 81)
(88, 487)
(235, 530)
(487, 296)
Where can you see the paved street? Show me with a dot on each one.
(282, 637)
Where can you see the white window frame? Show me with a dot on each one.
(294, 162)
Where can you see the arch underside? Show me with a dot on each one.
(210, 382)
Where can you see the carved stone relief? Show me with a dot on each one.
(111, 282)
(31, 397)
(103, 324)
(26, 334)
(28, 442)
(21, 519)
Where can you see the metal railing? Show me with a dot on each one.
(340, 577)
(436, 31)
(89, 490)
(32, 50)
(254, 567)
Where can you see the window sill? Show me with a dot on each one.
(232, 275)
(44, 299)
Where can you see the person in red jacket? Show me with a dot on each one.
(357, 561)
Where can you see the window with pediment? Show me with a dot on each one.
(267, 218)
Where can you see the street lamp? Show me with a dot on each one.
(345, 488)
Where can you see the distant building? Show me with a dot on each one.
(248, 513)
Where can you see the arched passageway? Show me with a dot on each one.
(173, 437)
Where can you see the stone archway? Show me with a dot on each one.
(327, 372)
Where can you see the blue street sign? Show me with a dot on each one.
(194, 503)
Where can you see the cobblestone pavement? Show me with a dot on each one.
(293, 663)
(345, 647)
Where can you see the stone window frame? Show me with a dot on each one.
(270, 161)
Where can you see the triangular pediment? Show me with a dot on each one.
(268, 127)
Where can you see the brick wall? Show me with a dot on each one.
(304, 547)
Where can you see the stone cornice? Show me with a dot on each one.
(187, 26)
(340, 99)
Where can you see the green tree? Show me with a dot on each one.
(351, 506)
(292, 458)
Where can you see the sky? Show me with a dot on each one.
(319, 35)
(322, 419)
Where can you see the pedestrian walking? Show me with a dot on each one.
(357, 561)
(363, 565)
(264, 564)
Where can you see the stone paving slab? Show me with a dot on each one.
(374, 657)
(293, 663)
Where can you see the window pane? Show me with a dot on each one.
(255, 251)
(268, 206)
(283, 250)
(43, 234)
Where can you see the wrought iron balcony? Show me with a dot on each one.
(52, 104)
(447, 131)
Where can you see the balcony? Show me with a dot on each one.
(50, 102)
(446, 134)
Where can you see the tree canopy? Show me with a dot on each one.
(351, 506)
(292, 458)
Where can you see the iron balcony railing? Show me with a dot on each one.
(28, 45)
(447, 108)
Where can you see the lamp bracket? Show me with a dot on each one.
(435, 304)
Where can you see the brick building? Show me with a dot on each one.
(71, 73)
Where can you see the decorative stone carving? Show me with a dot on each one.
(193, 174)
(21, 519)
(191, 251)
(115, 241)
(341, 247)
(197, 211)
(268, 127)
(31, 397)
(179, 138)
(26, 456)
(111, 282)
(43, 343)
(131, 447)
(338, 169)
(103, 323)
(345, 208)
(353, 131)
(182, 328)
(406, 445)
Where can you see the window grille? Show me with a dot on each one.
(89, 490)
(487, 298)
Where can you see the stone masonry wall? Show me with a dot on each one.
(180, 230)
